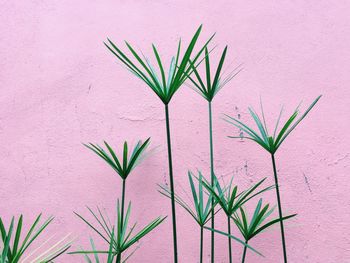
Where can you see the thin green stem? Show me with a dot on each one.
(172, 191)
(119, 256)
(123, 202)
(229, 239)
(212, 181)
(279, 208)
(201, 247)
(244, 251)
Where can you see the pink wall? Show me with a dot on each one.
(61, 87)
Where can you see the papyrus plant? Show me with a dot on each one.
(271, 143)
(249, 228)
(96, 253)
(122, 166)
(230, 200)
(119, 236)
(17, 246)
(203, 205)
(164, 87)
(208, 87)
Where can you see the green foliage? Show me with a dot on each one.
(234, 238)
(230, 200)
(123, 166)
(120, 240)
(110, 255)
(166, 86)
(257, 222)
(268, 142)
(202, 211)
(208, 89)
(96, 253)
(271, 143)
(228, 196)
(17, 250)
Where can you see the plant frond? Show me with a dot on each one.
(211, 88)
(123, 166)
(14, 250)
(117, 237)
(270, 143)
(179, 69)
(249, 228)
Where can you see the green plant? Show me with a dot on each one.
(202, 212)
(95, 252)
(271, 144)
(117, 236)
(208, 89)
(250, 229)
(17, 250)
(123, 166)
(230, 200)
(164, 88)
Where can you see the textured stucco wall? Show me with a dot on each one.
(60, 87)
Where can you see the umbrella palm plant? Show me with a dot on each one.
(230, 200)
(208, 89)
(13, 250)
(122, 166)
(202, 212)
(120, 240)
(164, 88)
(95, 252)
(257, 223)
(271, 143)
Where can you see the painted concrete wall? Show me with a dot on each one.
(61, 87)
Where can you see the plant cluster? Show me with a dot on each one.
(210, 198)
(227, 198)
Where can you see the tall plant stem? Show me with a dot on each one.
(119, 256)
(171, 181)
(201, 247)
(279, 208)
(212, 181)
(229, 239)
(244, 251)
